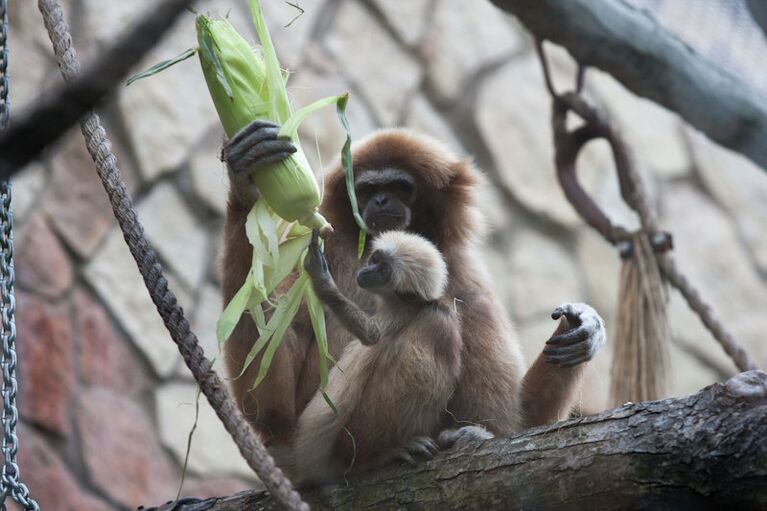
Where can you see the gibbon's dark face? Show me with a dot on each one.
(385, 198)
(376, 275)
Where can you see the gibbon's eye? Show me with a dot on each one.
(364, 192)
(375, 258)
(384, 268)
(405, 190)
(363, 196)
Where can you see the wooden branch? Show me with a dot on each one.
(704, 451)
(648, 60)
(758, 11)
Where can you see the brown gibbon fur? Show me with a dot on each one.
(405, 363)
(493, 389)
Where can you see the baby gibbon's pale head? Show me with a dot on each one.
(406, 264)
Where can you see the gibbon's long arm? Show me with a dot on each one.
(357, 321)
(273, 407)
(550, 387)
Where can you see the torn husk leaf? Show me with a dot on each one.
(348, 166)
(247, 85)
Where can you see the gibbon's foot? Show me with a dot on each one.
(582, 341)
(255, 146)
(419, 447)
(463, 436)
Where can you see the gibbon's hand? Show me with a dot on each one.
(581, 341)
(255, 146)
(316, 266)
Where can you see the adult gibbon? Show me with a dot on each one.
(399, 373)
(412, 183)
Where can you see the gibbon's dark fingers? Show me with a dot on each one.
(583, 320)
(258, 156)
(419, 447)
(422, 446)
(256, 150)
(463, 436)
(578, 348)
(256, 126)
(575, 313)
(316, 265)
(579, 344)
(583, 354)
(405, 456)
(429, 443)
(569, 310)
(572, 336)
(316, 252)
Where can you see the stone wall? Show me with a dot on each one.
(106, 403)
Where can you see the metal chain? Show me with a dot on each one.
(9, 480)
(10, 483)
(5, 107)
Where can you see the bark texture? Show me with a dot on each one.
(630, 45)
(704, 451)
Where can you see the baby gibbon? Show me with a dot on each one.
(391, 386)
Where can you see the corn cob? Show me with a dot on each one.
(244, 88)
(246, 85)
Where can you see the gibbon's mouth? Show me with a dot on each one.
(388, 214)
(371, 279)
(386, 219)
(387, 223)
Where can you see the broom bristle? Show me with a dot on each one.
(640, 360)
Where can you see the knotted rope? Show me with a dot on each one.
(641, 358)
(146, 259)
(641, 354)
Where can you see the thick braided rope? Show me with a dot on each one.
(211, 385)
(674, 276)
(640, 203)
(738, 355)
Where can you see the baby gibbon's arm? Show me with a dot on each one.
(354, 319)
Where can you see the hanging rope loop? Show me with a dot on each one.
(568, 144)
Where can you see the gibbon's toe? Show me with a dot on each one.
(463, 436)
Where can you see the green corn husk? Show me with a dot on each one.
(244, 87)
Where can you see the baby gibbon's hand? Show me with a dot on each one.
(316, 266)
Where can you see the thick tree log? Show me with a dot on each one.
(630, 45)
(704, 451)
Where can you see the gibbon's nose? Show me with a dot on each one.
(382, 200)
